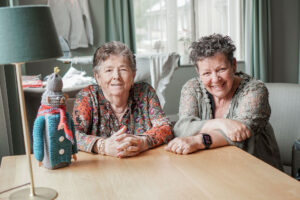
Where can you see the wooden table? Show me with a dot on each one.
(223, 173)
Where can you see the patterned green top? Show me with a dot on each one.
(249, 105)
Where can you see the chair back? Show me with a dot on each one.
(284, 99)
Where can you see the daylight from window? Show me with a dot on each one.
(164, 26)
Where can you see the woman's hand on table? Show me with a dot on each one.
(131, 145)
(121, 144)
(184, 145)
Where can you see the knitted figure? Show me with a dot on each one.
(54, 141)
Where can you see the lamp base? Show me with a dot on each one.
(41, 193)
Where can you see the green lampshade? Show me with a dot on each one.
(27, 33)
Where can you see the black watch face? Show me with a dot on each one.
(207, 139)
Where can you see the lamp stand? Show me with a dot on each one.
(32, 192)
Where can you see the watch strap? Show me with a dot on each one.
(206, 140)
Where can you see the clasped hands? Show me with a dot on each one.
(122, 144)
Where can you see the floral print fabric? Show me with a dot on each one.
(93, 116)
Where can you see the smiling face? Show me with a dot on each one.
(115, 76)
(217, 74)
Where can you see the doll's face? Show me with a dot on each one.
(53, 99)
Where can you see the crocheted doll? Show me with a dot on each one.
(54, 141)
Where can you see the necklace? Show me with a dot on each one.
(122, 112)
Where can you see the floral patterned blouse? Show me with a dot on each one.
(93, 116)
(249, 105)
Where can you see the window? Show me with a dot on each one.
(171, 25)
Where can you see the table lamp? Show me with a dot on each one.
(27, 34)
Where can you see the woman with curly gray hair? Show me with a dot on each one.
(223, 107)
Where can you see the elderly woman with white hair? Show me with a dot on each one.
(223, 107)
(118, 117)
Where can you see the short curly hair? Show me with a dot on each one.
(208, 46)
(113, 48)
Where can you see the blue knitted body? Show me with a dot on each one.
(49, 143)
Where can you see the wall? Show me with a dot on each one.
(285, 40)
(5, 139)
(11, 135)
(97, 15)
(13, 105)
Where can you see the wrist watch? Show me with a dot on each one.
(206, 139)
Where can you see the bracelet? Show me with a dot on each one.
(101, 146)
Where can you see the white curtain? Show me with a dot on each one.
(159, 68)
(162, 68)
